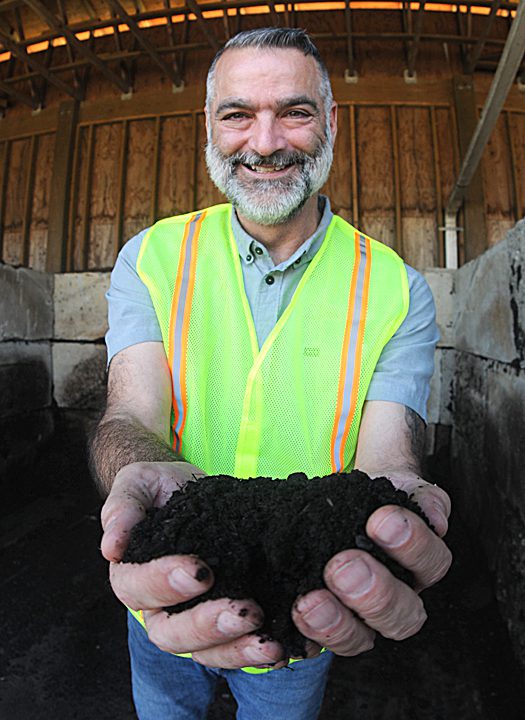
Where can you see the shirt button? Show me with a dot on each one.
(270, 280)
(248, 258)
(259, 250)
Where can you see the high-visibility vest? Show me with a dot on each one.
(295, 403)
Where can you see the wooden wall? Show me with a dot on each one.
(132, 161)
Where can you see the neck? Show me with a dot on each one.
(282, 241)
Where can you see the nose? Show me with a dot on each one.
(266, 136)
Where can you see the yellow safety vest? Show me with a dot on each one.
(295, 403)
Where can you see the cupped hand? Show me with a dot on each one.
(362, 596)
(218, 633)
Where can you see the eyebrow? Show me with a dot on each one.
(240, 104)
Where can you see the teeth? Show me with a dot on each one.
(262, 169)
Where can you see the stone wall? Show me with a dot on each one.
(26, 416)
(488, 446)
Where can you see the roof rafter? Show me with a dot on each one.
(32, 62)
(54, 22)
(143, 40)
(473, 56)
(414, 46)
(193, 5)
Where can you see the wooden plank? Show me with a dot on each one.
(73, 202)
(517, 136)
(26, 124)
(40, 205)
(121, 187)
(140, 174)
(496, 168)
(440, 234)
(417, 186)
(398, 246)
(376, 174)
(15, 197)
(476, 241)
(176, 177)
(86, 199)
(103, 205)
(353, 151)
(28, 199)
(205, 191)
(4, 164)
(339, 185)
(156, 164)
(394, 91)
(60, 187)
(513, 169)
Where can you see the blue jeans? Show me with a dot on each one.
(168, 687)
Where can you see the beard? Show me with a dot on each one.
(265, 201)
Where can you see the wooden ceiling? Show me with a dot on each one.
(59, 42)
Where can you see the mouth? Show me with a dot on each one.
(268, 169)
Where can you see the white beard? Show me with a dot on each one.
(264, 201)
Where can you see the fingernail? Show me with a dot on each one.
(233, 624)
(354, 578)
(394, 529)
(323, 616)
(258, 656)
(182, 581)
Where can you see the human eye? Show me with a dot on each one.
(297, 114)
(237, 115)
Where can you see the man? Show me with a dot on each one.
(261, 341)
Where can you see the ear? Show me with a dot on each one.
(333, 121)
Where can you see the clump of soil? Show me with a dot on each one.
(268, 539)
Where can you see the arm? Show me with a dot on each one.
(136, 467)
(362, 596)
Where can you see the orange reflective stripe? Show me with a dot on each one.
(179, 323)
(344, 352)
(358, 351)
(351, 354)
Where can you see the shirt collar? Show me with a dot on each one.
(248, 246)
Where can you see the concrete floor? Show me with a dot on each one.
(63, 651)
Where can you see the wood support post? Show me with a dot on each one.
(475, 232)
(60, 187)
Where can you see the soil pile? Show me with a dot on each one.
(268, 539)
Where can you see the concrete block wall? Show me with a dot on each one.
(26, 329)
(487, 445)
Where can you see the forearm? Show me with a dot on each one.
(118, 442)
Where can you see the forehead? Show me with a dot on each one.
(257, 75)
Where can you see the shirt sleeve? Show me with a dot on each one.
(406, 363)
(131, 315)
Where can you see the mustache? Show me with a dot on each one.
(278, 159)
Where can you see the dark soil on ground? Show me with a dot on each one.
(63, 648)
(268, 539)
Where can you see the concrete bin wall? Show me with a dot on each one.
(488, 447)
(26, 328)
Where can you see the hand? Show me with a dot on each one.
(363, 597)
(216, 632)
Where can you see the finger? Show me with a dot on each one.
(321, 617)
(247, 651)
(208, 624)
(162, 582)
(124, 508)
(383, 602)
(409, 540)
(435, 503)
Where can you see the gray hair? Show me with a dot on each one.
(278, 38)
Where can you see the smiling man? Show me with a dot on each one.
(263, 337)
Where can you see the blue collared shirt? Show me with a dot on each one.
(404, 368)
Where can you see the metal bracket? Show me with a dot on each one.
(350, 78)
(410, 79)
(178, 88)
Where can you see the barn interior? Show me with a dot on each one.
(101, 134)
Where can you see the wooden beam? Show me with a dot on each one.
(81, 47)
(144, 42)
(38, 66)
(475, 232)
(32, 102)
(60, 187)
(28, 200)
(5, 160)
(398, 246)
(414, 45)
(208, 33)
(475, 52)
(349, 42)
